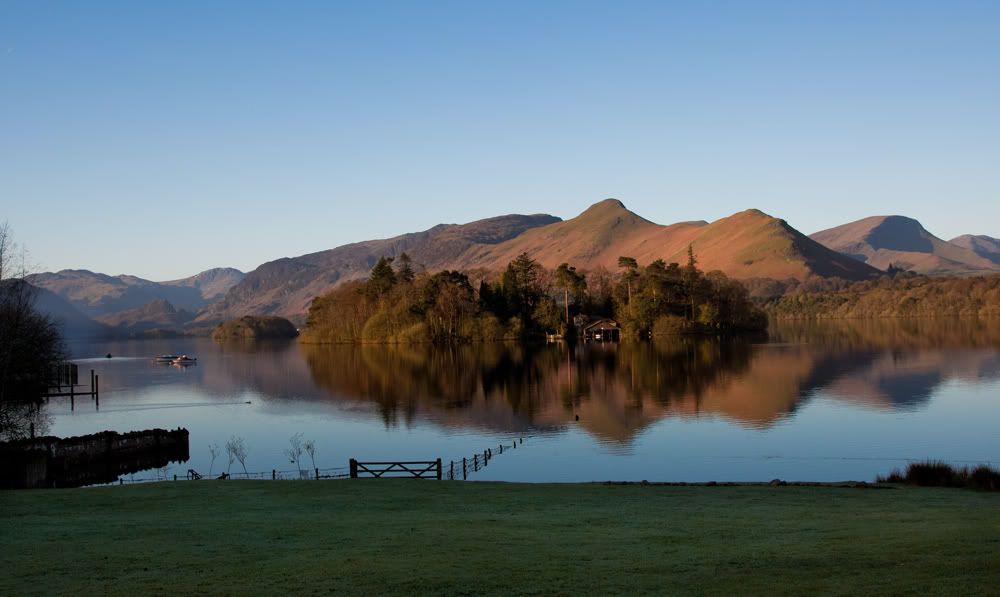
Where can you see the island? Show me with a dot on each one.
(255, 327)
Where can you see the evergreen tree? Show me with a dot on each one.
(630, 266)
(404, 273)
(569, 280)
(381, 279)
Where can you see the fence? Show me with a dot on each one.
(419, 469)
(463, 468)
(272, 475)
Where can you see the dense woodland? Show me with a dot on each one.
(899, 296)
(396, 304)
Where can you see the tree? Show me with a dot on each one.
(30, 342)
(404, 273)
(381, 279)
(310, 446)
(569, 280)
(630, 266)
(231, 454)
(691, 277)
(240, 452)
(213, 450)
(520, 285)
(294, 451)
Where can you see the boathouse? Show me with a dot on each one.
(602, 330)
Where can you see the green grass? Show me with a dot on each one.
(399, 536)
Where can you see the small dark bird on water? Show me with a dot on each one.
(107, 356)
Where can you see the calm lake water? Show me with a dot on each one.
(810, 402)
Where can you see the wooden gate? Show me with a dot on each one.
(419, 469)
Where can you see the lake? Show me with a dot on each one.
(817, 402)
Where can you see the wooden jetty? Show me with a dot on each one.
(65, 383)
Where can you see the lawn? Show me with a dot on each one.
(411, 537)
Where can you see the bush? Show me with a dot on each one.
(940, 474)
(669, 325)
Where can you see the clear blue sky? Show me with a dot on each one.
(162, 138)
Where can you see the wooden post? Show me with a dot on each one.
(439, 468)
(464, 473)
(274, 475)
(91, 382)
(475, 462)
(317, 474)
(354, 468)
(451, 471)
(501, 448)
(175, 477)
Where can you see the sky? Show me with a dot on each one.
(163, 138)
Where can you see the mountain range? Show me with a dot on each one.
(96, 294)
(901, 242)
(746, 245)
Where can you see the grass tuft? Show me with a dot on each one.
(933, 473)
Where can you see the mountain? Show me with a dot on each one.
(881, 241)
(749, 244)
(212, 284)
(72, 323)
(286, 286)
(982, 245)
(157, 314)
(96, 294)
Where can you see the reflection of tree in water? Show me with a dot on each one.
(675, 368)
(526, 382)
(892, 334)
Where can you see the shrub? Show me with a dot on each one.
(940, 474)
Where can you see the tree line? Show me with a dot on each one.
(397, 304)
(898, 296)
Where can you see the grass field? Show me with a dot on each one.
(399, 536)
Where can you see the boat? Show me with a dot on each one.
(165, 358)
(185, 360)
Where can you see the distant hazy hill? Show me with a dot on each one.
(72, 323)
(159, 314)
(881, 241)
(745, 245)
(982, 245)
(286, 286)
(97, 294)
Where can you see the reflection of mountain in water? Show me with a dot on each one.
(617, 390)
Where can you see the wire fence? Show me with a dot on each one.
(454, 470)
(317, 474)
(459, 470)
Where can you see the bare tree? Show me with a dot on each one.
(213, 449)
(240, 450)
(231, 453)
(310, 448)
(294, 451)
(30, 343)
